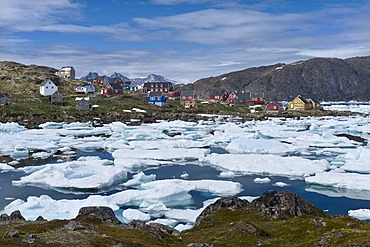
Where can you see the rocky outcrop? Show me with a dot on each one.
(285, 204)
(103, 214)
(227, 202)
(276, 204)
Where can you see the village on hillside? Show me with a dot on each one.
(158, 93)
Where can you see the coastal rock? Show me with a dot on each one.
(103, 214)
(16, 216)
(285, 204)
(227, 202)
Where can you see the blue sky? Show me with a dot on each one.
(181, 40)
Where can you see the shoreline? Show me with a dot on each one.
(32, 121)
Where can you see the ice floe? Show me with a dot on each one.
(266, 164)
(342, 180)
(84, 173)
(134, 214)
(361, 214)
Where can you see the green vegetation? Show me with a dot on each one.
(223, 228)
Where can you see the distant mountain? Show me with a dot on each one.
(329, 79)
(119, 75)
(151, 78)
(90, 76)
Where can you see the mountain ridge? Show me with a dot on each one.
(329, 79)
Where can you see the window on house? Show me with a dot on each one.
(46, 87)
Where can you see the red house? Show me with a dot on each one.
(257, 99)
(174, 95)
(112, 89)
(272, 107)
(237, 99)
(219, 95)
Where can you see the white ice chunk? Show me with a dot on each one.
(258, 146)
(161, 154)
(217, 187)
(184, 175)
(140, 178)
(351, 181)
(183, 227)
(134, 214)
(266, 164)
(357, 160)
(5, 167)
(84, 173)
(361, 214)
(262, 180)
(280, 184)
(168, 222)
(227, 174)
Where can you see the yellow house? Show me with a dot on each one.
(314, 104)
(300, 103)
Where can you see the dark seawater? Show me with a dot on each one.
(333, 205)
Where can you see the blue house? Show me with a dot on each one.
(157, 98)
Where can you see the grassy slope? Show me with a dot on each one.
(223, 228)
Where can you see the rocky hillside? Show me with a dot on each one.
(329, 79)
(277, 218)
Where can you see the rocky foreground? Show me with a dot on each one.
(277, 218)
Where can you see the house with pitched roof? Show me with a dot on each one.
(112, 89)
(56, 98)
(67, 72)
(300, 103)
(237, 99)
(47, 88)
(188, 98)
(157, 98)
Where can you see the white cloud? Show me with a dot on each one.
(16, 13)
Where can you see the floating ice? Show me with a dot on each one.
(352, 181)
(357, 160)
(262, 180)
(84, 173)
(280, 184)
(266, 164)
(227, 174)
(184, 175)
(361, 214)
(139, 178)
(5, 167)
(134, 214)
(258, 146)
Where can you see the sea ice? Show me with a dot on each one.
(258, 146)
(84, 173)
(357, 160)
(5, 167)
(139, 178)
(352, 181)
(134, 214)
(262, 180)
(361, 214)
(266, 164)
(280, 184)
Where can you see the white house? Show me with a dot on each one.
(67, 72)
(48, 87)
(88, 88)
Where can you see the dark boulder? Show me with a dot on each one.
(285, 204)
(226, 202)
(103, 214)
(16, 216)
